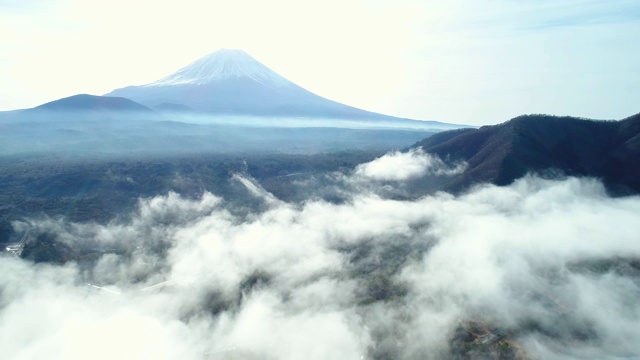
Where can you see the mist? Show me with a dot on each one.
(547, 268)
(138, 134)
(194, 117)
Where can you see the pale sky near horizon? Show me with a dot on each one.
(460, 61)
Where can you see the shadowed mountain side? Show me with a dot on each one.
(171, 107)
(547, 145)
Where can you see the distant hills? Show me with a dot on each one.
(546, 145)
(84, 102)
(88, 126)
(82, 109)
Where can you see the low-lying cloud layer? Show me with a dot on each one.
(551, 266)
(399, 166)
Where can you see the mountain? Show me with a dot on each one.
(80, 125)
(232, 82)
(81, 108)
(84, 102)
(547, 145)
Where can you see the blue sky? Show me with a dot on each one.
(461, 61)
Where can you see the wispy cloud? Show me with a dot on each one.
(579, 13)
(399, 166)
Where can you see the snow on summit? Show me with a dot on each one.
(221, 65)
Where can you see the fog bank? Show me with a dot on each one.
(548, 267)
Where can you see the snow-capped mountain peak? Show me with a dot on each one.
(221, 65)
(231, 82)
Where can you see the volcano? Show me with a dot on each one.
(232, 82)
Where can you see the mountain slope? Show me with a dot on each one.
(232, 82)
(546, 145)
(81, 108)
(84, 102)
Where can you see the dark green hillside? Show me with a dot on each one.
(547, 145)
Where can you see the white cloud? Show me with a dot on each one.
(366, 278)
(401, 166)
